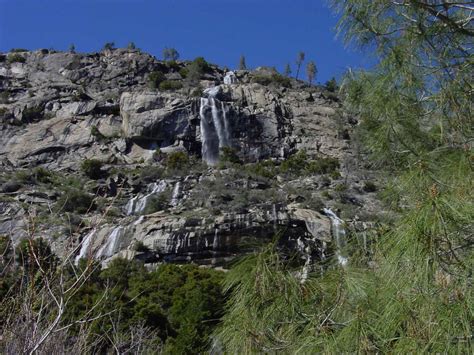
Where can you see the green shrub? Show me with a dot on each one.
(184, 72)
(202, 64)
(228, 154)
(369, 186)
(323, 166)
(169, 85)
(18, 50)
(43, 175)
(295, 163)
(31, 114)
(195, 70)
(281, 80)
(16, 58)
(173, 65)
(264, 168)
(331, 85)
(155, 79)
(37, 175)
(92, 168)
(262, 79)
(170, 54)
(299, 163)
(156, 203)
(108, 46)
(275, 79)
(177, 160)
(140, 247)
(75, 200)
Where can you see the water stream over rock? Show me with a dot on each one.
(215, 126)
(137, 204)
(85, 246)
(339, 234)
(111, 244)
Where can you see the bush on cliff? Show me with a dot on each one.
(170, 85)
(92, 168)
(155, 78)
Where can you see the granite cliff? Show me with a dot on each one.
(119, 154)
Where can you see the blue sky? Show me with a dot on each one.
(267, 32)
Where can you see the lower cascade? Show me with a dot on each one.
(176, 194)
(339, 235)
(85, 246)
(137, 204)
(111, 244)
(215, 126)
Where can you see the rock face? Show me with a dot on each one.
(58, 109)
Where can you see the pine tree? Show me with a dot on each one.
(299, 61)
(287, 70)
(72, 48)
(170, 54)
(109, 46)
(131, 46)
(416, 121)
(242, 64)
(331, 85)
(311, 71)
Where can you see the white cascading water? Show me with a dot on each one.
(85, 246)
(230, 78)
(339, 235)
(111, 245)
(137, 204)
(215, 126)
(305, 250)
(176, 194)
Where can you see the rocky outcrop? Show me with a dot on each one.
(58, 109)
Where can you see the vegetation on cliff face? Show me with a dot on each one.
(415, 293)
(406, 288)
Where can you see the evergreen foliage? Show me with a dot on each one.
(92, 168)
(170, 54)
(412, 291)
(109, 46)
(242, 64)
(155, 78)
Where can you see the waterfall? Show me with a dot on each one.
(110, 246)
(176, 193)
(230, 78)
(274, 216)
(305, 250)
(85, 246)
(215, 242)
(215, 126)
(339, 235)
(137, 204)
(215, 246)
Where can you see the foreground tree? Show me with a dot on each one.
(415, 293)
